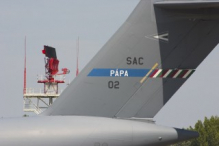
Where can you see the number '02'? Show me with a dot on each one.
(113, 84)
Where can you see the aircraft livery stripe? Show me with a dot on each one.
(168, 72)
(154, 73)
(151, 70)
(97, 72)
(158, 72)
(163, 73)
(178, 72)
(188, 73)
(183, 73)
(173, 74)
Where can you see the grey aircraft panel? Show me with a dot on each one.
(163, 40)
(190, 4)
(86, 131)
(154, 103)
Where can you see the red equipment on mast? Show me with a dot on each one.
(51, 70)
(49, 80)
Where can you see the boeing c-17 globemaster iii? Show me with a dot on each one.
(114, 99)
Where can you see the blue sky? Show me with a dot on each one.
(58, 24)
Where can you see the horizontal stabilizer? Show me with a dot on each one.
(187, 4)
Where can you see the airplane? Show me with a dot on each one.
(113, 100)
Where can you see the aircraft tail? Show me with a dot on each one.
(145, 62)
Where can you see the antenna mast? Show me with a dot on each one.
(77, 55)
(25, 84)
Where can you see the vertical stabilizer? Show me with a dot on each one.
(145, 62)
